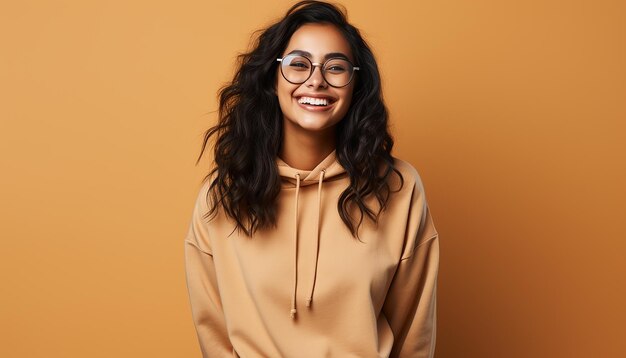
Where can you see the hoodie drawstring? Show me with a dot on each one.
(317, 243)
(295, 254)
(317, 235)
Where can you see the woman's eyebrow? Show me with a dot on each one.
(326, 57)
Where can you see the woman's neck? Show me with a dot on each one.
(302, 149)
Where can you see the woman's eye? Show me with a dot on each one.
(336, 69)
(299, 65)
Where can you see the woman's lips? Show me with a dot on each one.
(313, 108)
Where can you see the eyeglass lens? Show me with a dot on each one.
(297, 69)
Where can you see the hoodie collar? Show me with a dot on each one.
(329, 165)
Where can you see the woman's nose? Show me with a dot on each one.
(316, 79)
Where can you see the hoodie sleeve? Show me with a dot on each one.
(204, 297)
(410, 305)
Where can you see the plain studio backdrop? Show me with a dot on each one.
(512, 111)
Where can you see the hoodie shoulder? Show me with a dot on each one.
(421, 225)
(197, 235)
(409, 174)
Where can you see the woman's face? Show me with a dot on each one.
(316, 42)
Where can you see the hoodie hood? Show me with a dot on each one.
(328, 169)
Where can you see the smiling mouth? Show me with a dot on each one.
(315, 102)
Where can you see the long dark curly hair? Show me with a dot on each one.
(248, 136)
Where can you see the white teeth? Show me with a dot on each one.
(313, 101)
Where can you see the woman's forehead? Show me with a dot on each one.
(319, 41)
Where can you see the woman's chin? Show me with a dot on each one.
(315, 126)
(315, 123)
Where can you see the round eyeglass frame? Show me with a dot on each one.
(321, 66)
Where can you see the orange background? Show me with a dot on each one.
(513, 112)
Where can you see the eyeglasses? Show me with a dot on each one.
(297, 69)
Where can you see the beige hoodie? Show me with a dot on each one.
(309, 289)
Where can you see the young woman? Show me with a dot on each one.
(308, 239)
